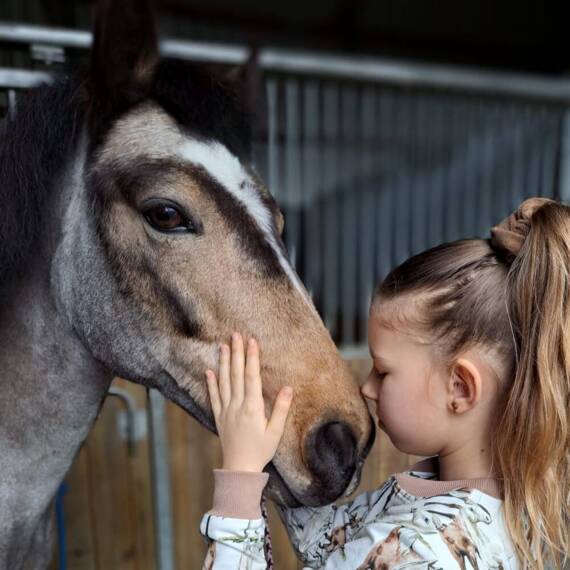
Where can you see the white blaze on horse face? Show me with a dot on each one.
(226, 169)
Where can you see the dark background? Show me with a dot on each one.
(526, 36)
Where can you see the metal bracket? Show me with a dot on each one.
(127, 421)
(47, 54)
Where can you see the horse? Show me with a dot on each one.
(135, 236)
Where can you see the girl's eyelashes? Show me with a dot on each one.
(379, 375)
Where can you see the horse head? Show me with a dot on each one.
(171, 241)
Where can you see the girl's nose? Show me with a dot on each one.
(367, 390)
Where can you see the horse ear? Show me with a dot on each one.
(246, 81)
(123, 58)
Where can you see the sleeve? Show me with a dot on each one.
(234, 527)
(322, 536)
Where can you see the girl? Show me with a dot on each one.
(471, 367)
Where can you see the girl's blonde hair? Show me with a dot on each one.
(511, 293)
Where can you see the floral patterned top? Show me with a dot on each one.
(412, 522)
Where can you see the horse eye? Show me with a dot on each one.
(167, 218)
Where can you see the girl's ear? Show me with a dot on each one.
(464, 387)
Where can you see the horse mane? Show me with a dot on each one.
(36, 143)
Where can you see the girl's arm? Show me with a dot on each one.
(234, 527)
(235, 523)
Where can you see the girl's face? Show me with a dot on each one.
(408, 386)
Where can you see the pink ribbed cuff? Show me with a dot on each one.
(237, 494)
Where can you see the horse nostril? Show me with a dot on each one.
(332, 454)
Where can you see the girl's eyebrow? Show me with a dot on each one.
(376, 356)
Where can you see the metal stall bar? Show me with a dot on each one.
(330, 169)
(387, 71)
(310, 181)
(78, 39)
(160, 472)
(348, 219)
(21, 78)
(407, 73)
(564, 184)
(366, 214)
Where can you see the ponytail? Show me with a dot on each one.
(533, 437)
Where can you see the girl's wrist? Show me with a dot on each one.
(238, 495)
(236, 466)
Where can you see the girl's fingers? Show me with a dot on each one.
(276, 423)
(214, 394)
(237, 368)
(224, 374)
(253, 393)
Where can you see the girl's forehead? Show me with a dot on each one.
(388, 339)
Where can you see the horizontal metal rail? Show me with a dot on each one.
(21, 78)
(407, 73)
(381, 70)
(80, 39)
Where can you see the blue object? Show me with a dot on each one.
(60, 518)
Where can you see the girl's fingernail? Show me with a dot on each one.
(288, 391)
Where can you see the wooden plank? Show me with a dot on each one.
(140, 484)
(81, 553)
(182, 498)
(111, 495)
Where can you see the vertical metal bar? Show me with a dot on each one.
(517, 189)
(469, 200)
(272, 136)
(535, 142)
(500, 164)
(548, 150)
(292, 169)
(160, 473)
(564, 184)
(487, 163)
(350, 187)
(402, 133)
(435, 190)
(387, 186)
(312, 187)
(420, 140)
(331, 233)
(457, 181)
(12, 103)
(455, 164)
(368, 182)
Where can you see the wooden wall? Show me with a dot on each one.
(108, 505)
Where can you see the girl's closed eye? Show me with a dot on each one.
(380, 375)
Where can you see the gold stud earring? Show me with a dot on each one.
(454, 407)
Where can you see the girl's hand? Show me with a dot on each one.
(249, 441)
